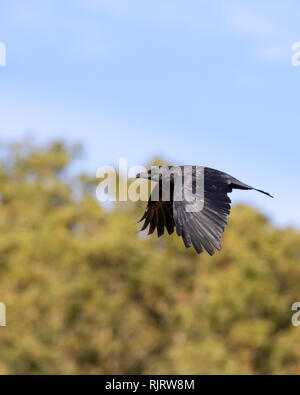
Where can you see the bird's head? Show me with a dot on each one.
(159, 173)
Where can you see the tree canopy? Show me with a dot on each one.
(86, 294)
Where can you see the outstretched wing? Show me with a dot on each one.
(204, 229)
(159, 214)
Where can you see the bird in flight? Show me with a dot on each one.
(200, 221)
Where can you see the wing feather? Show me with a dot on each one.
(206, 227)
(159, 215)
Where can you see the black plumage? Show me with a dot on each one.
(201, 229)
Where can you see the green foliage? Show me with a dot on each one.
(86, 294)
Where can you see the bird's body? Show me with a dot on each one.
(201, 228)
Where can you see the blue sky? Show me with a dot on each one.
(196, 82)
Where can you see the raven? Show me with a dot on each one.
(202, 228)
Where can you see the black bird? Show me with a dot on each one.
(201, 228)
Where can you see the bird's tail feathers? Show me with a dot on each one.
(236, 184)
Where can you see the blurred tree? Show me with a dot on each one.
(85, 294)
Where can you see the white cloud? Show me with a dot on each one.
(270, 27)
(190, 14)
(248, 22)
(274, 52)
